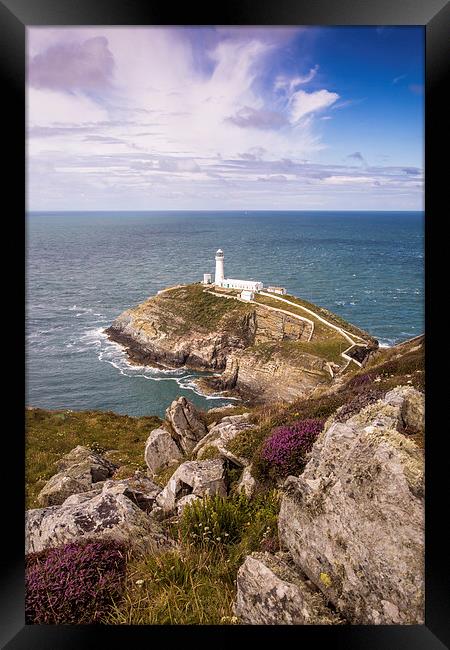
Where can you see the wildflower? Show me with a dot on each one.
(287, 446)
(139, 583)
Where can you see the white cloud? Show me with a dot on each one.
(162, 137)
(345, 180)
(47, 107)
(303, 103)
(289, 84)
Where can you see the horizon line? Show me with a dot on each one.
(208, 210)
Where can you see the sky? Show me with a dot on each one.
(225, 118)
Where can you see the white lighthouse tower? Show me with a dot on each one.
(219, 277)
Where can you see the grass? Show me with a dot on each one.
(326, 343)
(200, 309)
(332, 317)
(51, 434)
(329, 349)
(297, 352)
(180, 587)
(195, 583)
(392, 368)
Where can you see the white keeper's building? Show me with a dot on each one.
(249, 286)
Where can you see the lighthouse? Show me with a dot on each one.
(218, 279)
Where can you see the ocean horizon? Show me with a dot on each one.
(84, 268)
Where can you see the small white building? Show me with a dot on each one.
(247, 295)
(248, 285)
(207, 278)
(279, 290)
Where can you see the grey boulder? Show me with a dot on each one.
(354, 520)
(139, 489)
(246, 484)
(187, 423)
(199, 478)
(411, 403)
(161, 451)
(271, 592)
(220, 436)
(79, 470)
(105, 516)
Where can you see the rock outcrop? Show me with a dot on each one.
(106, 515)
(221, 434)
(166, 329)
(161, 450)
(199, 478)
(246, 484)
(187, 424)
(411, 404)
(270, 378)
(354, 520)
(139, 489)
(80, 469)
(271, 592)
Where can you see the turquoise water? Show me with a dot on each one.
(83, 269)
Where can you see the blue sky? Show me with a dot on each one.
(307, 118)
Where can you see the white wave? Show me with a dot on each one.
(386, 342)
(114, 354)
(81, 310)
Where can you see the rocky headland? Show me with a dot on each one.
(309, 511)
(266, 350)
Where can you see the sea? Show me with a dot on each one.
(84, 268)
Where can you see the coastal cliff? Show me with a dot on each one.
(268, 349)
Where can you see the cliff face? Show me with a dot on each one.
(270, 378)
(263, 352)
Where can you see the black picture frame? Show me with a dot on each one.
(15, 16)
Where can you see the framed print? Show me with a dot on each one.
(231, 426)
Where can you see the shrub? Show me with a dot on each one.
(239, 520)
(285, 449)
(210, 452)
(359, 380)
(97, 448)
(215, 520)
(245, 443)
(74, 583)
(357, 403)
